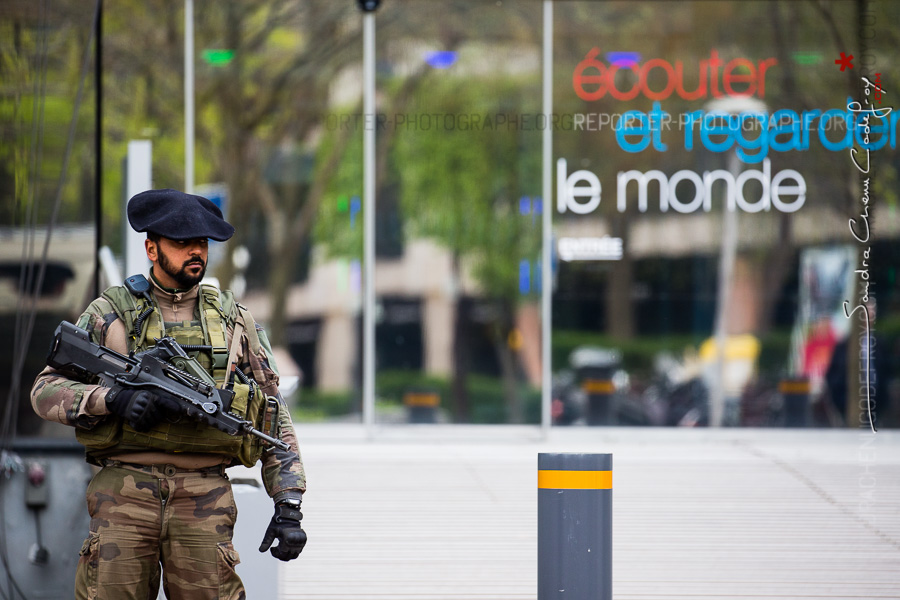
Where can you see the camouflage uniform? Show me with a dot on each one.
(184, 519)
(152, 507)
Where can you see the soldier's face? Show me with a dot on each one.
(182, 263)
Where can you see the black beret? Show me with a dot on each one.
(177, 216)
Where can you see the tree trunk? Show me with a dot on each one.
(506, 356)
(507, 359)
(460, 358)
(282, 265)
(779, 261)
(293, 222)
(619, 313)
(233, 159)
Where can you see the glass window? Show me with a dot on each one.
(705, 182)
(709, 218)
(48, 193)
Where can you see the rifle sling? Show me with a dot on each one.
(235, 344)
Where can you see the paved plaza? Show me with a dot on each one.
(449, 513)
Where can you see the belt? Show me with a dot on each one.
(165, 470)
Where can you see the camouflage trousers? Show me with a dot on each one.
(158, 520)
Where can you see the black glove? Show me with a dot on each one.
(142, 409)
(285, 526)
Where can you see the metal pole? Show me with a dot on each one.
(574, 526)
(547, 226)
(731, 105)
(98, 151)
(369, 221)
(138, 178)
(189, 96)
(723, 298)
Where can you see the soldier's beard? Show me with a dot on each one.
(181, 276)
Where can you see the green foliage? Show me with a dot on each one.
(390, 386)
(486, 394)
(40, 70)
(460, 177)
(332, 230)
(460, 185)
(313, 405)
(774, 353)
(489, 404)
(637, 353)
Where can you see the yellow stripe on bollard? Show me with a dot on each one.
(794, 387)
(575, 480)
(598, 386)
(423, 399)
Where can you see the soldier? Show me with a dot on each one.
(161, 504)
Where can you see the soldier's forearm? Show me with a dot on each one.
(282, 470)
(61, 400)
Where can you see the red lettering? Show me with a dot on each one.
(714, 64)
(731, 77)
(579, 78)
(700, 92)
(659, 63)
(635, 89)
(763, 66)
(741, 73)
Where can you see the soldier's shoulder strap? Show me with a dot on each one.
(128, 308)
(123, 303)
(223, 301)
(249, 327)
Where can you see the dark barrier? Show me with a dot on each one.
(45, 519)
(574, 526)
(422, 405)
(795, 393)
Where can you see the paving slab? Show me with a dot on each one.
(435, 512)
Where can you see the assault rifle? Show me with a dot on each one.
(165, 370)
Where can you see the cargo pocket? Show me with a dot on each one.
(86, 572)
(230, 585)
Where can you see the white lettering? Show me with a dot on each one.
(643, 180)
(605, 248)
(580, 191)
(696, 202)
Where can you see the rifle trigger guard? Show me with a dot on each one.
(123, 380)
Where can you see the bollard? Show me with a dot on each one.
(795, 394)
(600, 401)
(422, 406)
(594, 370)
(574, 526)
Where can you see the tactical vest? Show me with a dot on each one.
(218, 311)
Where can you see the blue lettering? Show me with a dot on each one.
(786, 123)
(713, 125)
(750, 121)
(690, 119)
(825, 125)
(657, 118)
(642, 129)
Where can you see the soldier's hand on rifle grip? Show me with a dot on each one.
(285, 526)
(142, 409)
